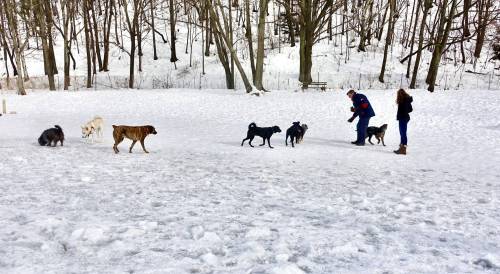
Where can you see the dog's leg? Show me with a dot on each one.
(293, 145)
(143, 148)
(118, 140)
(250, 142)
(382, 138)
(263, 142)
(242, 142)
(269, 142)
(370, 139)
(62, 143)
(286, 140)
(132, 146)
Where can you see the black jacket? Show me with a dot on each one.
(404, 108)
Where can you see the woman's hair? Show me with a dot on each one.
(401, 96)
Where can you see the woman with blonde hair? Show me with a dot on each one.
(403, 100)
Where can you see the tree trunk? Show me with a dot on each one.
(250, 38)
(482, 24)
(388, 40)
(306, 44)
(260, 44)
(10, 9)
(412, 41)
(87, 43)
(155, 56)
(225, 38)
(96, 37)
(67, 14)
(289, 21)
(44, 25)
(427, 7)
(465, 18)
(107, 25)
(173, 54)
(442, 37)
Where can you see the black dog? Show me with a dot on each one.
(379, 133)
(264, 132)
(294, 132)
(51, 135)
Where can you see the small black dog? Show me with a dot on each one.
(379, 133)
(264, 132)
(51, 135)
(296, 131)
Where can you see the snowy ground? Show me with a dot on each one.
(201, 203)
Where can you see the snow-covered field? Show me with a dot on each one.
(201, 203)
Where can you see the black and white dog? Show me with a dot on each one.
(52, 135)
(264, 132)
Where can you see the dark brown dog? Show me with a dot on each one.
(133, 133)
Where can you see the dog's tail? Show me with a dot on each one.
(61, 133)
(252, 125)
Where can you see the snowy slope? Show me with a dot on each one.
(201, 203)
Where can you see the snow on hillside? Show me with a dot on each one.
(281, 70)
(201, 203)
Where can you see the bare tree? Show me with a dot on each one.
(259, 69)
(11, 11)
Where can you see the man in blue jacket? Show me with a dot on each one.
(362, 108)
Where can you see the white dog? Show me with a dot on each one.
(95, 126)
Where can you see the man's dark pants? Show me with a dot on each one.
(361, 128)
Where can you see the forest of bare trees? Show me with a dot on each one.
(239, 32)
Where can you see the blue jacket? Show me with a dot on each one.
(362, 106)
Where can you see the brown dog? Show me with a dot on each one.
(133, 133)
